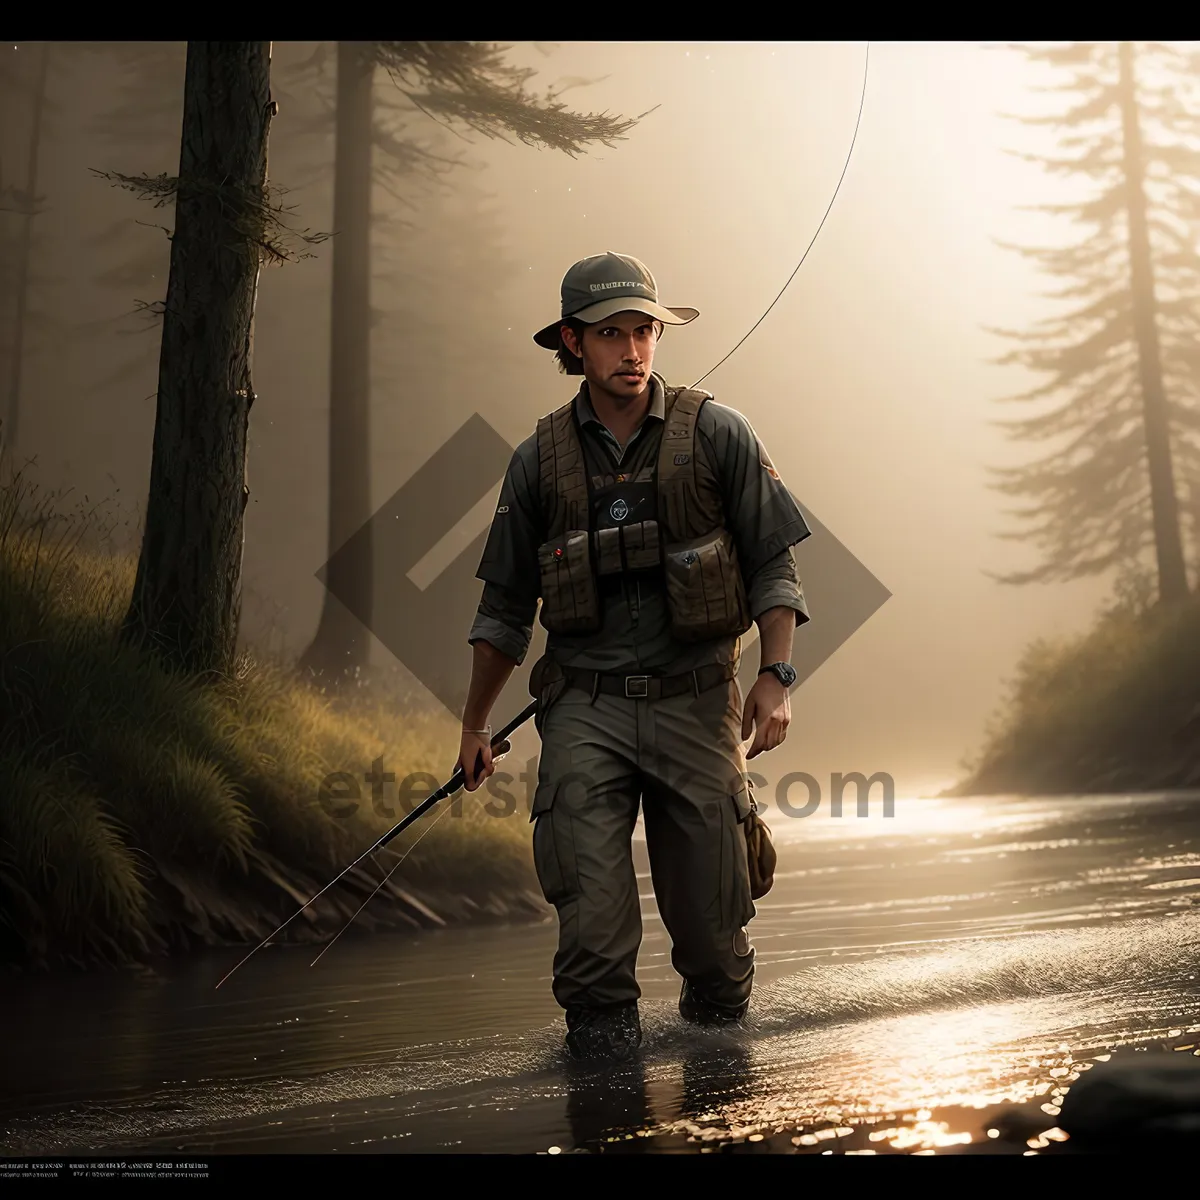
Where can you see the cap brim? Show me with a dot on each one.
(548, 338)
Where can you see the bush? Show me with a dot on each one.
(136, 798)
(1113, 709)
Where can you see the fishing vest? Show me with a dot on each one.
(671, 526)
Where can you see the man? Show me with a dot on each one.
(652, 526)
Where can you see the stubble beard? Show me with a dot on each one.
(622, 399)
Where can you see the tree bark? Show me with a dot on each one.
(187, 593)
(340, 646)
(1191, 506)
(1168, 543)
(24, 255)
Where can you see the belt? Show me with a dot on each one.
(651, 687)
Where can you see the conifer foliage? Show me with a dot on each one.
(1119, 405)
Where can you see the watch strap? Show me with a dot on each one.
(787, 668)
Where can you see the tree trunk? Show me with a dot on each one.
(1172, 575)
(24, 255)
(1193, 513)
(187, 594)
(341, 647)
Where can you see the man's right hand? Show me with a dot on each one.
(472, 747)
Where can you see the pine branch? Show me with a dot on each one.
(257, 218)
(1070, 55)
(471, 86)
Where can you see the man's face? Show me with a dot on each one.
(617, 353)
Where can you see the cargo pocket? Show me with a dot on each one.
(743, 801)
(705, 591)
(738, 907)
(548, 841)
(570, 598)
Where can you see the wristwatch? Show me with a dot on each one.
(784, 672)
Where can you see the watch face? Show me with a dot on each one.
(786, 673)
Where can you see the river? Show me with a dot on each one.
(916, 975)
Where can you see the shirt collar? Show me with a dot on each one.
(658, 402)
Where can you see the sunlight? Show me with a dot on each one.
(913, 816)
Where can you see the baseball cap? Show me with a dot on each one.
(606, 284)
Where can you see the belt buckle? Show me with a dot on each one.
(643, 681)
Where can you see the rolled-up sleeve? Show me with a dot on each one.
(505, 620)
(508, 565)
(776, 584)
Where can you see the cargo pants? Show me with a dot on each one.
(682, 758)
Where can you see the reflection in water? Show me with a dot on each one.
(607, 1106)
(912, 984)
(716, 1078)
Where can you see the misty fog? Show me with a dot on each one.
(869, 383)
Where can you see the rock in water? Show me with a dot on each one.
(1142, 1095)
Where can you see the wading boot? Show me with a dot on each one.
(697, 1011)
(603, 1033)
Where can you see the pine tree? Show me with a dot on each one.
(187, 592)
(1121, 362)
(21, 203)
(467, 86)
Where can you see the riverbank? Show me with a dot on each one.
(1114, 710)
(147, 812)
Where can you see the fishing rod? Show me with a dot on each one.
(384, 881)
(499, 745)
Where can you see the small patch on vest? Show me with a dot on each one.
(619, 510)
(680, 459)
(502, 509)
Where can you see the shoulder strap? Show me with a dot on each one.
(677, 458)
(562, 480)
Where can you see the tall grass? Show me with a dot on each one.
(142, 808)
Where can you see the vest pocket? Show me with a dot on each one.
(628, 548)
(642, 548)
(608, 551)
(570, 600)
(705, 591)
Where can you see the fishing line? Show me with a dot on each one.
(862, 101)
(382, 883)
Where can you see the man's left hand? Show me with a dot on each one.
(768, 712)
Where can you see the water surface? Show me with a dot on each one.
(915, 976)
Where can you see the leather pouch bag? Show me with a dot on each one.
(760, 852)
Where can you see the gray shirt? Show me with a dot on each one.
(636, 638)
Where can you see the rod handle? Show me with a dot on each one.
(499, 750)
